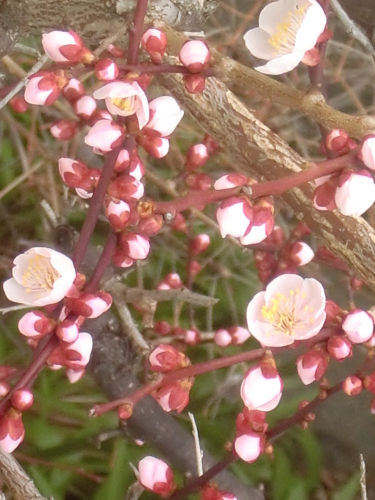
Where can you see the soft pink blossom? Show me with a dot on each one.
(263, 224)
(234, 217)
(339, 347)
(12, 431)
(301, 253)
(367, 152)
(74, 375)
(196, 156)
(35, 324)
(22, 399)
(126, 187)
(62, 46)
(165, 358)
(156, 476)
(312, 365)
(249, 446)
(106, 70)
(287, 30)
(195, 55)
(352, 385)
(82, 347)
(64, 130)
(291, 308)
(355, 192)
(125, 99)
(41, 276)
(358, 326)
(73, 90)
(199, 243)
(67, 331)
(85, 106)
(165, 115)
(105, 135)
(135, 245)
(154, 42)
(174, 396)
(42, 89)
(118, 214)
(91, 305)
(230, 181)
(261, 389)
(158, 147)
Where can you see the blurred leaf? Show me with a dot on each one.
(349, 490)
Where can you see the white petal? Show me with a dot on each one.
(312, 26)
(256, 41)
(281, 64)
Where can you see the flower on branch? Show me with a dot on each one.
(287, 30)
(41, 276)
(66, 46)
(155, 475)
(261, 389)
(125, 99)
(291, 308)
(165, 115)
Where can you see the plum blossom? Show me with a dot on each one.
(125, 99)
(358, 326)
(291, 308)
(12, 431)
(165, 115)
(105, 135)
(287, 30)
(355, 192)
(249, 446)
(367, 152)
(312, 365)
(261, 389)
(195, 55)
(41, 276)
(234, 217)
(155, 475)
(65, 46)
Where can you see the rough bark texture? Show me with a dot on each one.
(111, 365)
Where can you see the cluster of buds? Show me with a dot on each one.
(171, 395)
(235, 335)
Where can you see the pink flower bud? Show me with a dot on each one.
(64, 130)
(301, 253)
(84, 107)
(194, 84)
(339, 348)
(165, 115)
(67, 331)
(201, 182)
(196, 156)
(222, 337)
(137, 168)
(118, 214)
(195, 56)
(165, 358)
(324, 195)
(35, 324)
(355, 192)
(192, 337)
(115, 50)
(352, 385)
(261, 388)
(65, 46)
(156, 476)
(4, 388)
(263, 224)
(230, 181)
(312, 365)
(358, 326)
(174, 396)
(212, 493)
(162, 328)
(154, 42)
(125, 187)
(150, 226)
(12, 431)
(91, 305)
(74, 356)
(106, 70)
(234, 217)
(73, 90)
(194, 268)
(137, 247)
(367, 152)
(18, 104)
(336, 141)
(22, 399)
(123, 161)
(75, 174)
(105, 135)
(249, 446)
(179, 223)
(171, 281)
(158, 147)
(120, 259)
(199, 243)
(43, 89)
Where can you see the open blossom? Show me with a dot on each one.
(287, 30)
(125, 99)
(155, 475)
(291, 308)
(41, 276)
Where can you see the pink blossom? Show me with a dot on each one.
(352, 385)
(43, 89)
(287, 30)
(35, 324)
(291, 308)
(324, 194)
(312, 365)
(74, 375)
(196, 156)
(337, 141)
(126, 187)
(263, 224)
(339, 347)
(171, 281)
(105, 135)
(149, 226)
(118, 214)
(230, 181)
(165, 358)
(82, 193)
(355, 192)
(64, 46)
(195, 55)
(199, 243)
(261, 389)
(234, 335)
(41, 276)
(22, 399)
(85, 106)
(234, 217)
(67, 331)
(137, 168)
(81, 348)
(358, 326)
(158, 147)
(154, 42)
(125, 99)
(222, 337)
(12, 431)
(249, 446)
(174, 396)
(155, 475)
(64, 130)
(136, 246)
(73, 90)
(301, 253)
(106, 70)
(91, 305)
(165, 115)
(367, 152)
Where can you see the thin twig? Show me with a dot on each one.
(129, 325)
(362, 479)
(198, 451)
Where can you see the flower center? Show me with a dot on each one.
(284, 38)
(128, 104)
(281, 314)
(39, 276)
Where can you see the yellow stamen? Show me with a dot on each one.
(125, 103)
(284, 38)
(39, 276)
